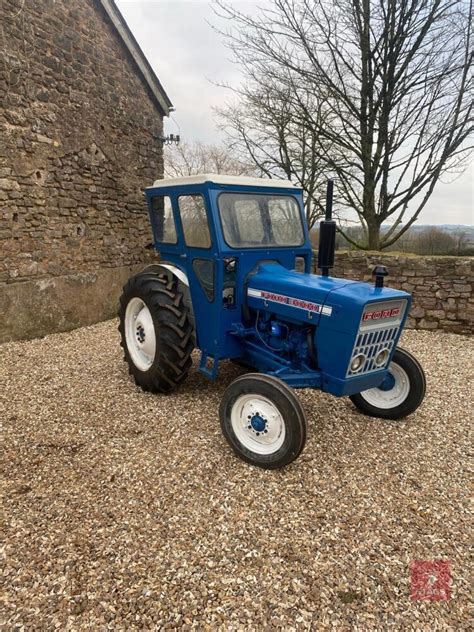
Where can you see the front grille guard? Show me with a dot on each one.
(370, 343)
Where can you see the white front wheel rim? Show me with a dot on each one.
(140, 334)
(393, 397)
(258, 424)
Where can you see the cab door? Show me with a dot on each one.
(200, 259)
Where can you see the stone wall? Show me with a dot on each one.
(441, 286)
(78, 144)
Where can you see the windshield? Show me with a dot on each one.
(252, 220)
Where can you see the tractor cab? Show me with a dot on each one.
(212, 231)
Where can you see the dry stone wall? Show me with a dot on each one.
(441, 286)
(78, 143)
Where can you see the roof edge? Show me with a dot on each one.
(138, 55)
(214, 178)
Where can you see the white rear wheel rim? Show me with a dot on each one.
(258, 424)
(393, 397)
(140, 334)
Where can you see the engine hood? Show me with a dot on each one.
(312, 298)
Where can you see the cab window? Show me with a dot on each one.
(254, 220)
(163, 220)
(192, 209)
(204, 270)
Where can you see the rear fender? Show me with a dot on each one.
(171, 271)
(166, 268)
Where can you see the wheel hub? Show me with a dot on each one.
(392, 392)
(258, 423)
(141, 335)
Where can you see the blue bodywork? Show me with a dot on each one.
(303, 328)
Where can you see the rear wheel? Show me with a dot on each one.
(156, 332)
(401, 392)
(263, 421)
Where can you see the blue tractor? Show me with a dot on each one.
(234, 281)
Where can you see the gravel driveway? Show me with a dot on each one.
(128, 509)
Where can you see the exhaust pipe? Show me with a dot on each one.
(327, 235)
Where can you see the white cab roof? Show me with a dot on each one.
(222, 179)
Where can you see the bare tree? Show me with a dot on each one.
(393, 83)
(461, 240)
(188, 159)
(434, 241)
(263, 124)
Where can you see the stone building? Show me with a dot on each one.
(81, 118)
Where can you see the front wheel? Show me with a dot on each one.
(401, 392)
(263, 421)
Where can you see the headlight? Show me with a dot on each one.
(381, 357)
(357, 362)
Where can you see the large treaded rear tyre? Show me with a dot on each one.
(156, 332)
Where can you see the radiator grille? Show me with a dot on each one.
(370, 343)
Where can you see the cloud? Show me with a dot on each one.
(188, 55)
(452, 201)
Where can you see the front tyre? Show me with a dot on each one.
(156, 332)
(401, 393)
(263, 421)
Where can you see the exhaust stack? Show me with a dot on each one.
(327, 235)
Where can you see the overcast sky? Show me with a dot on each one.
(187, 55)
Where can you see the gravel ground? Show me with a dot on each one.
(127, 509)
